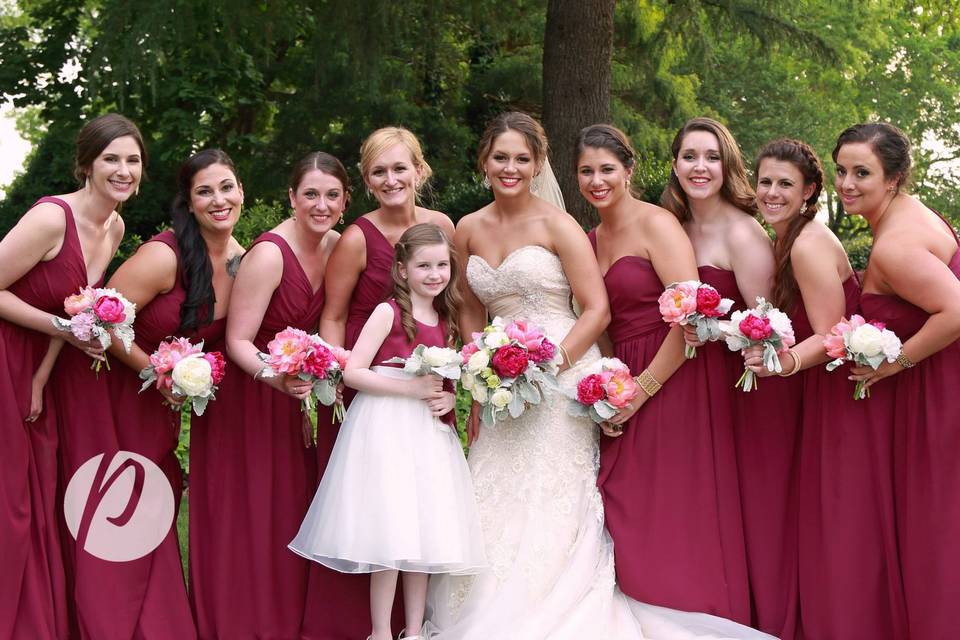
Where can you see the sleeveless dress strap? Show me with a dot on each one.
(67, 212)
(592, 234)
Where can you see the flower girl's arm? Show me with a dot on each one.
(358, 374)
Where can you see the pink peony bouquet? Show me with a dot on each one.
(695, 304)
(297, 353)
(764, 325)
(503, 366)
(96, 313)
(608, 388)
(861, 342)
(184, 368)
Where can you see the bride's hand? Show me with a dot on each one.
(473, 424)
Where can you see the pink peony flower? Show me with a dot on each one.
(318, 361)
(468, 350)
(708, 301)
(544, 353)
(287, 351)
(341, 355)
(81, 325)
(217, 365)
(590, 389)
(509, 361)
(169, 353)
(109, 309)
(620, 387)
(79, 302)
(755, 328)
(678, 302)
(528, 336)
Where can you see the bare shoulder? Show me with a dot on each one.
(351, 238)
(45, 219)
(659, 224)
(263, 255)
(383, 312)
(158, 253)
(330, 240)
(745, 233)
(440, 219)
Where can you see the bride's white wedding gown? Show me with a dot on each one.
(551, 573)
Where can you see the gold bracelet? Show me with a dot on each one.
(648, 383)
(797, 363)
(905, 362)
(565, 357)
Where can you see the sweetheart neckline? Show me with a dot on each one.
(510, 255)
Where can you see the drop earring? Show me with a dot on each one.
(486, 181)
(342, 219)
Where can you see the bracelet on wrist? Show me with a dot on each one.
(797, 364)
(648, 383)
(904, 361)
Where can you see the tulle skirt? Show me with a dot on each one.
(396, 494)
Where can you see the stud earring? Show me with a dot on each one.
(486, 181)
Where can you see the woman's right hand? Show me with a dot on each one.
(91, 347)
(690, 337)
(426, 387)
(170, 397)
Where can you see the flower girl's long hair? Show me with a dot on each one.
(448, 302)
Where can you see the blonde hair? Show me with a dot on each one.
(386, 137)
(736, 187)
(447, 304)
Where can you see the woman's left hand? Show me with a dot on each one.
(340, 388)
(753, 359)
(442, 404)
(621, 417)
(867, 374)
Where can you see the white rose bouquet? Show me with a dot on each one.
(184, 369)
(442, 361)
(861, 342)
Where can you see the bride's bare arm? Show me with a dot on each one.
(586, 282)
(473, 315)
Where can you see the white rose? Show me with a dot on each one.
(867, 340)
(501, 398)
(129, 311)
(436, 356)
(467, 381)
(891, 345)
(781, 324)
(479, 393)
(496, 339)
(192, 375)
(478, 362)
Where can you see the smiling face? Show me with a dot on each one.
(781, 191)
(216, 198)
(510, 166)
(115, 173)
(699, 166)
(393, 177)
(318, 201)
(602, 177)
(427, 272)
(860, 182)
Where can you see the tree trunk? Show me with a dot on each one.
(577, 51)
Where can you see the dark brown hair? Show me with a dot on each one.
(736, 187)
(803, 157)
(525, 125)
(96, 135)
(890, 144)
(447, 304)
(328, 164)
(607, 136)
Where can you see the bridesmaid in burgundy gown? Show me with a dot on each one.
(710, 194)
(912, 283)
(180, 284)
(667, 471)
(358, 279)
(846, 545)
(110, 162)
(261, 473)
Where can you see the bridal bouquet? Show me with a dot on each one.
(95, 313)
(764, 325)
(442, 361)
(184, 368)
(696, 304)
(608, 388)
(863, 343)
(297, 353)
(503, 366)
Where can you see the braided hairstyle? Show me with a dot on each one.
(195, 266)
(803, 157)
(447, 303)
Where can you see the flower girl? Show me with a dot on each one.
(397, 494)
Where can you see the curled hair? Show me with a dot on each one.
(96, 135)
(386, 137)
(447, 304)
(803, 157)
(328, 164)
(608, 137)
(736, 187)
(527, 126)
(195, 266)
(890, 144)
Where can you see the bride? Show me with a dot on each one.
(551, 572)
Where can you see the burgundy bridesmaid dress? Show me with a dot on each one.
(148, 427)
(32, 582)
(767, 432)
(251, 484)
(338, 604)
(926, 436)
(669, 483)
(850, 585)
